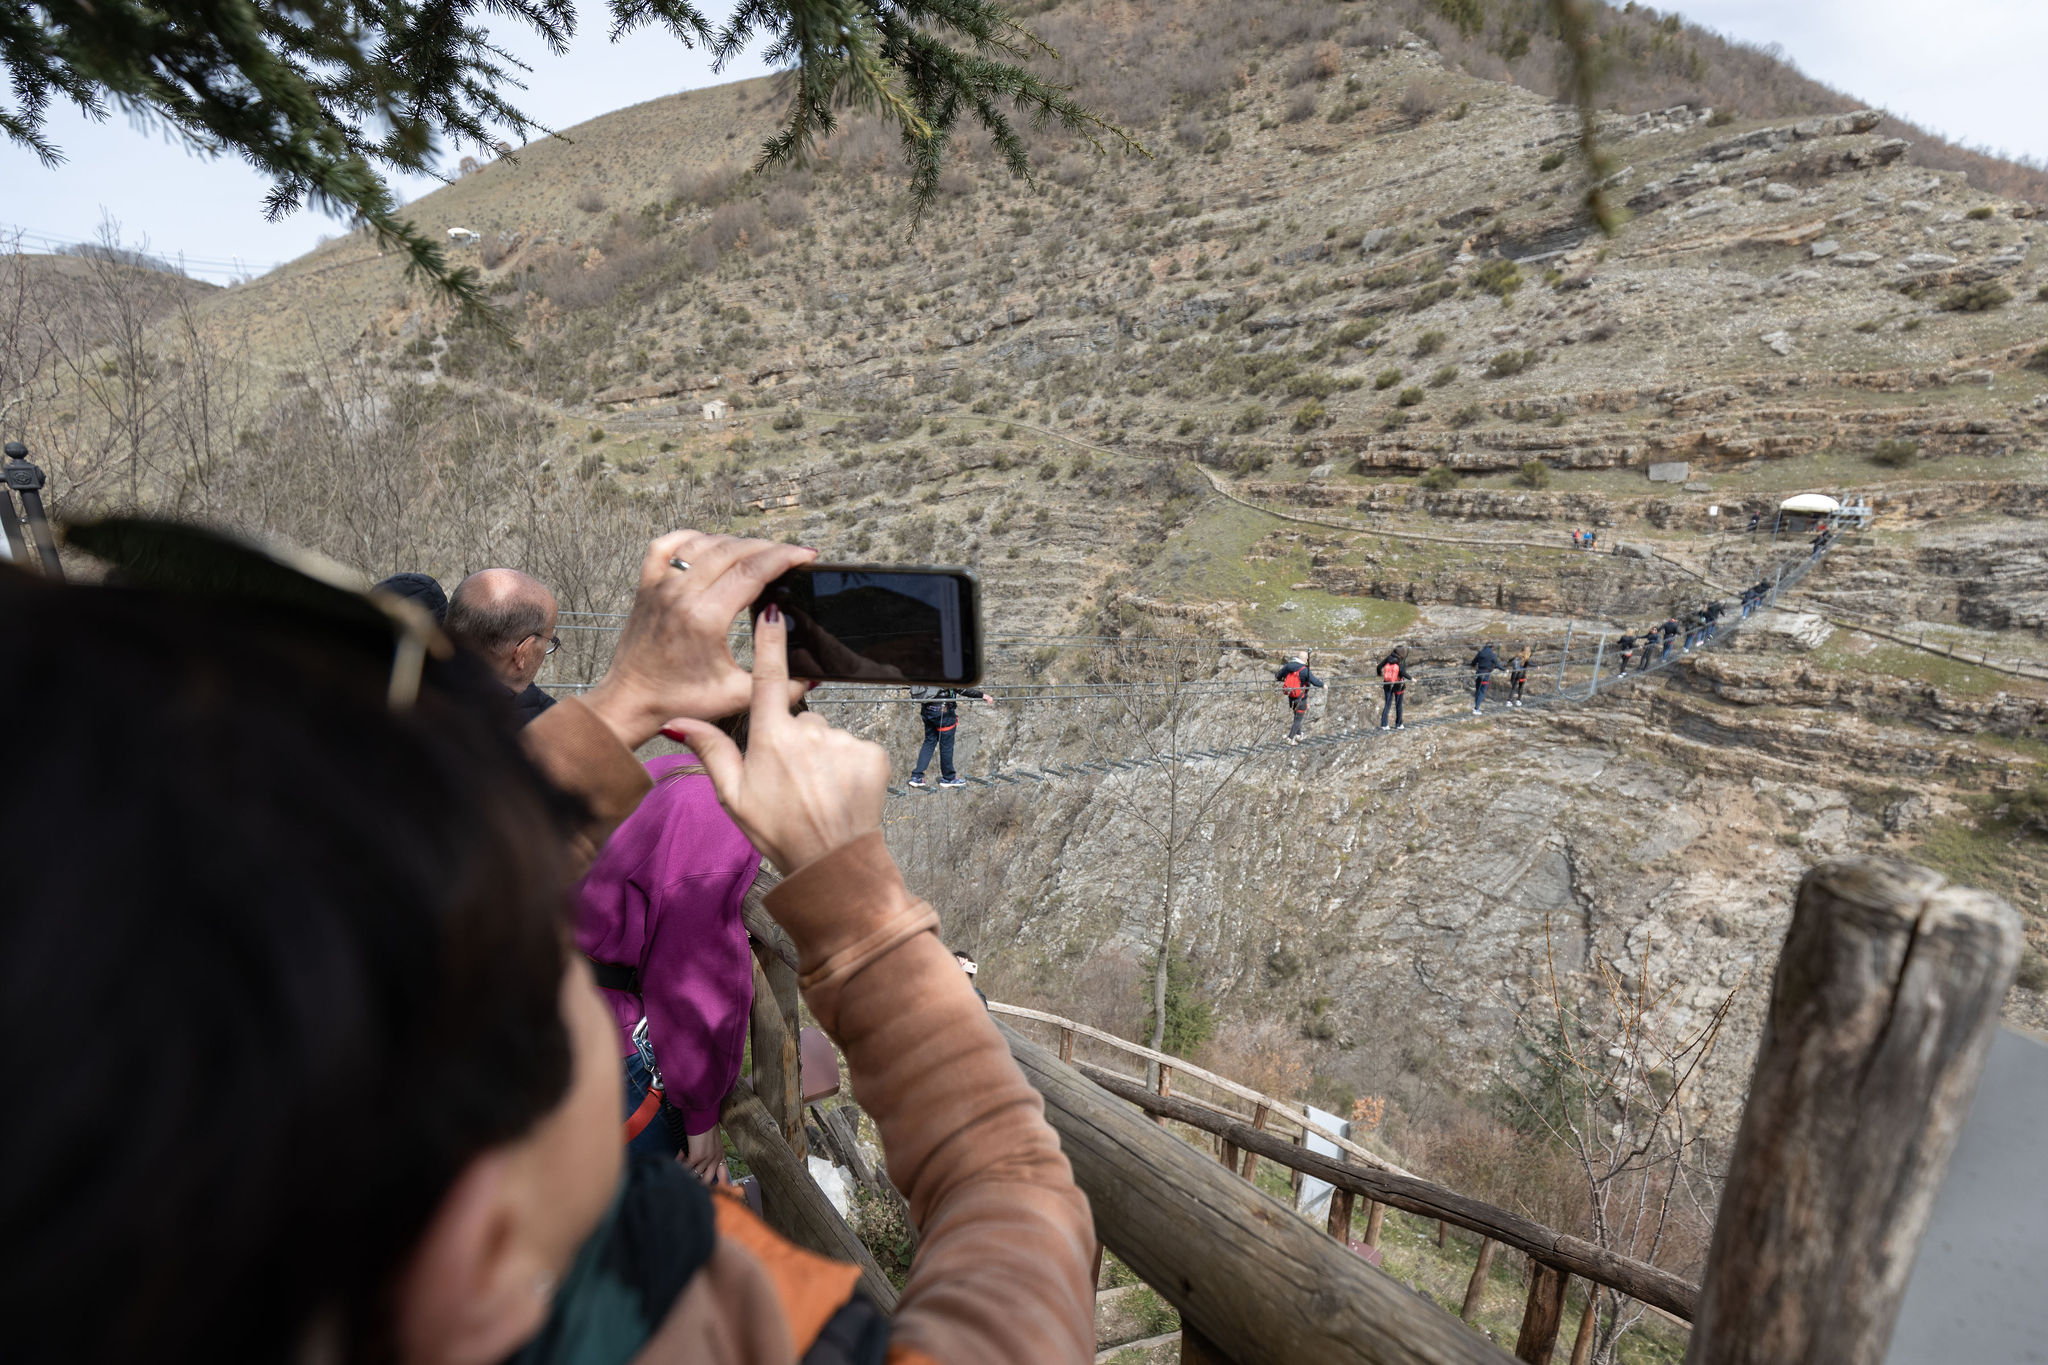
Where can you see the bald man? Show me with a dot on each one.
(507, 619)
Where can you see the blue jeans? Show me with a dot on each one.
(1478, 692)
(1392, 703)
(937, 735)
(656, 1139)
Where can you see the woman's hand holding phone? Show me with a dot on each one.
(673, 659)
(803, 788)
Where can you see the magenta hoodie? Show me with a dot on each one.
(664, 896)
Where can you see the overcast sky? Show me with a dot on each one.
(1967, 68)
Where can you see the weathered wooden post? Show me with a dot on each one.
(776, 1066)
(1475, 1289)
(1882, 1009)
(1543, 1315)
(1339, 1223)
(1582, 1345)
(1373, 1221)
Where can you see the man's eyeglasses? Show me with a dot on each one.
(554, 642)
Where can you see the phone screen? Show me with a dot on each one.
(880, 624)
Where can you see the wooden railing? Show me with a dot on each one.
(1882, 1009)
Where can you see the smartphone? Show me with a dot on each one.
(880, 623)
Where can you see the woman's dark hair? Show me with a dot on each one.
(275, 964)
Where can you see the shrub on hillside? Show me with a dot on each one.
(1250, 417)
(1311, 415)
(1980, 213)
(1430, 342)
(1311, 384)
(1469, 415)
(1895, 454)
(1387, 378)
(1498, 277)
(1975, 298)
(1510, 362)
(1552, 160)
(785, 209)
(1410, 396)
(1300, 108)
(1219, 141)
(1351, 333)
(1440, 478)
(703, 187)
(1191, 132)
(1444, 375)
(1533, 474)
(589, 200)
(789, 419)
(1418, 102)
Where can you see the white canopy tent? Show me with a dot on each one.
(1811, 504)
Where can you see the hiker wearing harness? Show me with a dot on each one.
(1518, 675)
(1295, 680)
(658, 915)
(1484, 665)
(1393, 686)
(939, 707)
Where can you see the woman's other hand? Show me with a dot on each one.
(803, 789)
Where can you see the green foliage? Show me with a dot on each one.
(1430, 342)
(1468, 15)
(1533, 474)
(1463, 108)
(596, 435)
(1186, 427)
(1440, 478)
(1469, 415)
(1895, 454)
(1189, 1021)
(1249, 418)
(1975, 298)
(789, 419)
(1311, 384)
(1499, 277)
(1980, 213)
(1410, 396)
(1387, 378)
(1310, 415)
(1444, 375)
(1510, 362)
(1351, 333)
(1431, 294)
(1552, 160)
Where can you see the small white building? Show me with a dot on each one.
(462, 237)
(715, 410)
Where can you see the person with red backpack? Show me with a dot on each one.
(1295, 680)
(1393, 686)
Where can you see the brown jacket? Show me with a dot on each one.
(1007, 1241)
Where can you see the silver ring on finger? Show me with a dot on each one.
(679, 563)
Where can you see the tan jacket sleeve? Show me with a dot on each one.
(579, 754)
(1007, 1241)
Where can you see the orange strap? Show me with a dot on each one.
(650, 1105)
(810, 1287)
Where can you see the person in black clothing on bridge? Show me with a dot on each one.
(1484, 665)
(1295, 680)
(1394, 677)
(940, 709)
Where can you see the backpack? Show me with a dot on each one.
(1390, 672)
(1291, 684)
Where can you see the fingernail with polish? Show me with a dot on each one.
(772, 614)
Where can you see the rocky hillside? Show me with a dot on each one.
(1342, 363)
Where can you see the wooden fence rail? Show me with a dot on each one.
(1882, 1008)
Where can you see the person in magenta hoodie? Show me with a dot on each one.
(658, 915)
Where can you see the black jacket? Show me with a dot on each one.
(1485, 661)
(1308, 679)
(940, 703)
(530, 703)
(1670, 627)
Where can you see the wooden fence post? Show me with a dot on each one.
(1260, 1114)
(1543, 1314)
(1475, 1290)
(1882, 1009)
(1589, 1321)
(776, 1064)
(1373, 1221)
(1067, 1046)
(1339, 1224)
